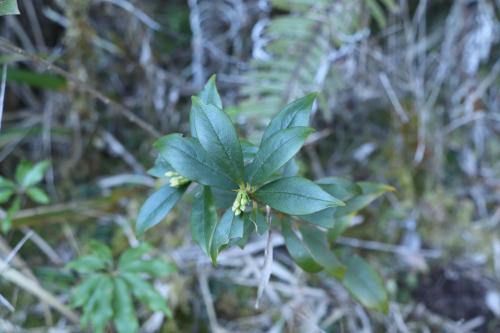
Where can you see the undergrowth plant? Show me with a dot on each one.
(27, 178)
(241, 188)
(107, 288)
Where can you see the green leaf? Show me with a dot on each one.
(132, 254)
(299, 253)
(144, 292)
(81, 293)
(296, 196)
(188, 158)
(203, 219)
(223, 198)
(157, 206)
(341, 188)
(28, 175)
(209, 94)
(218, 137)
(295, 114)
(101, 251)
(125, 318)
(365, 284)
(38, 195)
(5, 194)
(316, 242)
(5, 183)
(370, 192)
(160, 168)
(249, 150)
(152, 267)
(14, 208)
(274, 152)
(341, 225)
(31, 78)
(9, 7)
(230, 226)
(323, 218)
(87, 264)
(98, 308)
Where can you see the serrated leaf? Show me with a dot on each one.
(299, 253)
(203, 219)
(316, 242)
(188, 158)
(28, 175)
(295, 114)
(274, 152)
(157, 206)
(82, 292)
(125, 318)
(98, 308)
(153, 267)
(132, 254)
(365, 284)
(87, 264)
(217, 135)
(369, 192)
(230, 226)
(144, 292)
(38, 195)
(295, 196)
(8, 7)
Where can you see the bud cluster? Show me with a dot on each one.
(176, 179)
(241, 201)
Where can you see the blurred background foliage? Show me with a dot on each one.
(409, 96)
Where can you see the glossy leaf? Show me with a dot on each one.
(209, 94)
(160, 168)
(124, 318)
(188, 158)
(274, 152)
(341, 188)
(38, 195)
(295, 196)
(295, 114)
(369, 192)
(299, 253)
(157, 206)
(230, 226)
(316, 242)
(217, 135)
(203, 220)
(144, 292)
(365, 284)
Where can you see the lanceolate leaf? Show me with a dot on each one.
(152, 267)
(369, 192)
(125, 319)
(157, 206)
(316, 243)
(365, 284)
(217, 135)
(133, 254)
(230, 226)
(210, 95)
(295, 114)
(298, 251)
(160, 168)
(38, 195)
(204, 220)
(98, 308)
(144, 292)
(274, 152)
(84, 290)
(341, 188)
(28, 175)
(296, 196)
(189, 159)
(323, 218)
